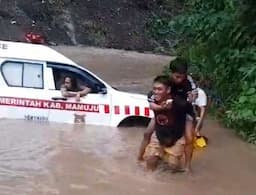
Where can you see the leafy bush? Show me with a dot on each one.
(218, 38)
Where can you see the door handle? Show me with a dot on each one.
(59, 98)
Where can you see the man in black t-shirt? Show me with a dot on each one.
(167, 142)
(182, 86)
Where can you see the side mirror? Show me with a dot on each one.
(101, 90)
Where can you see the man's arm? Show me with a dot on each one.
(201, 102)
(192, 83)
(85, 90)
(66, 93)
(191, 89)
(157, 107)
(201, 118)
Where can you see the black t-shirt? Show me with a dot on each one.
(169, 126)
(182, 89)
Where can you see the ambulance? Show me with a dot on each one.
(30, 80)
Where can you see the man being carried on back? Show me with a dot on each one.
(182, 86)
(167, 142)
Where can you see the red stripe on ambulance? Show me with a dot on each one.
(132, 110)
(146, 112)
(137, 110)
(117, 109)
(127, 110)
(106, 109)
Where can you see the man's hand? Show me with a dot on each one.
(78, 97)
(166, 104)
(192, 95)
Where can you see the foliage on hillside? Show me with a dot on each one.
(218, 37)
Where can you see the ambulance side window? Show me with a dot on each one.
(59, 76)
(33, 75)
(22, 74)
(12, 72)
(82, 77)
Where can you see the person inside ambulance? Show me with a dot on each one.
(70, 88)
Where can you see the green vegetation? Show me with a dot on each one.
(218, 37)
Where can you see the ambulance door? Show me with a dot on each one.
(94, 108)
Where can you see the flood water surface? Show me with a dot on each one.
(80, 159)
(48, 158)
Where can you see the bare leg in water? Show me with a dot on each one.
(152, 163)
(146, 138)
(189, 136)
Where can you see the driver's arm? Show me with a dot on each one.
(66, 93)
(84, 91)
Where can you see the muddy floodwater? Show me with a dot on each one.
(49, 158)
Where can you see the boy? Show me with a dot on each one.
(200, 107)
(167, 142)
(182, 87)
(200, 104)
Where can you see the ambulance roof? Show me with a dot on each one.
(18, 50)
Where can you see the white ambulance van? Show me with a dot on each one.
(30, 80)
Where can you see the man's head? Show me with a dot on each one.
(161, 88)
(70, 83)
(179, 68)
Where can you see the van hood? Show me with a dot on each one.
(133, 95)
